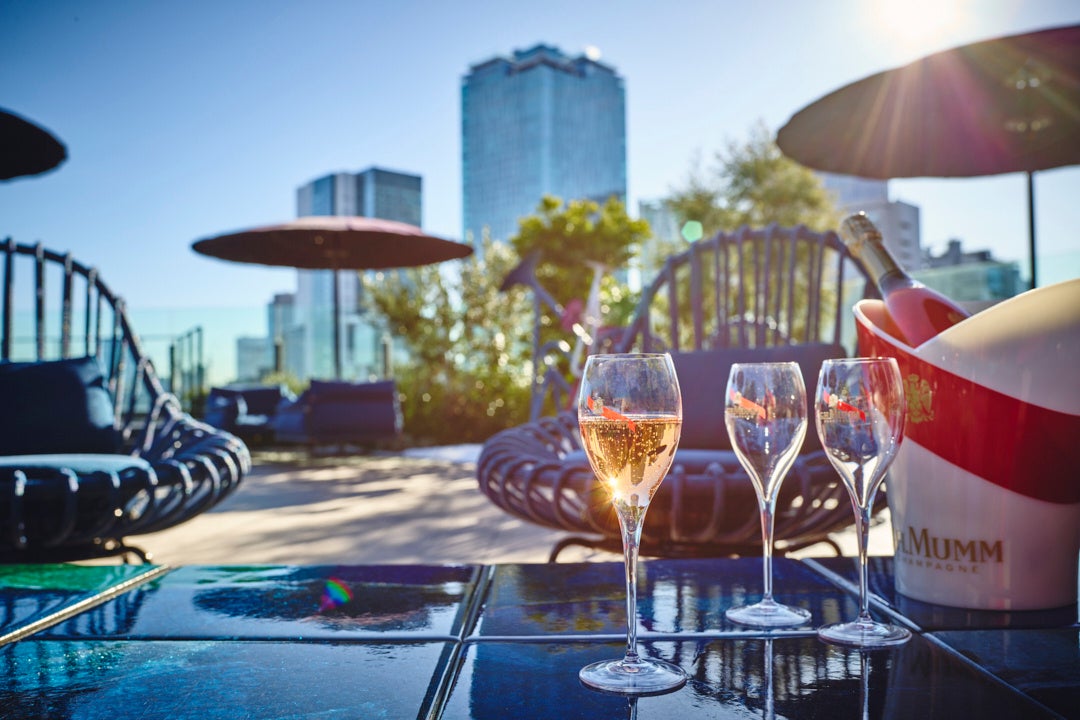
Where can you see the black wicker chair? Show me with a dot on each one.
(752, 295)
(93, 449)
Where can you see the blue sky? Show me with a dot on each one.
(184, 120)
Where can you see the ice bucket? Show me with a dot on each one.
(985, 491)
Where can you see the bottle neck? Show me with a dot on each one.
(866, 244)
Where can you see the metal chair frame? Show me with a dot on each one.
(753, 288)
(62, 514)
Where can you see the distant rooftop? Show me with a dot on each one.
(542, 54)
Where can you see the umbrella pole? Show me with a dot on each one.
(1031, 224)
(337, 328)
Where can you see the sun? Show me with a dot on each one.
(917, 26)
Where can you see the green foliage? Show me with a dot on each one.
(468, 370)
(751, 184)
(571, 236)
(295, 384)
(754, 184)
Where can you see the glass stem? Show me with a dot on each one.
(862, 528)
(630, 519)
(768, 516)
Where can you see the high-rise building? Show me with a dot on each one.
(538, 123)
(251, 359)
(309, 343)
(898, 221)
(665, 237)
(974, 279)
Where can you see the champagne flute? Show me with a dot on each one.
(765, 415)
(859, 410)
(630, 418)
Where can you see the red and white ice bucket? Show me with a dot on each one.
(985, 491)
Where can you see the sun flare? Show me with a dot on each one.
(917, 26)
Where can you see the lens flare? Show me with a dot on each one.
(336, 593)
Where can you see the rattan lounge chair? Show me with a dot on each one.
(93, 449)
(751, 295)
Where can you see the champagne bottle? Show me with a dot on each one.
(918, 313)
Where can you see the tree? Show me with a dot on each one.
(570, 237)
(467, 371)
(754, 184)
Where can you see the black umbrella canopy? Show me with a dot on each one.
(333, 243)
(25, 148)
(1010, 104)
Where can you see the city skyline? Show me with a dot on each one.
(374, 192)
(538, 122)
(167, 145)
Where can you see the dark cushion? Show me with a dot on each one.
(703, 377)
(223, 409)
(78, 463)
(58, 406)
(257, 399)
(359, 409)
(340, 411)
(380, 390)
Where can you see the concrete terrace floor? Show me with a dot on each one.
(418, 506)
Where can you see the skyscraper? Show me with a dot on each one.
(374, 192)
(537, 123)
(897, 220)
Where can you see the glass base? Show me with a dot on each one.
(643, 677)
(768, 613)
(864, 633)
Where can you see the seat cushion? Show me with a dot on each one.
(703, 377)
(57, 406)
(80, 463)
(379, 390)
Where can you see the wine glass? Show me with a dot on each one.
(630, 418)
(859, 410)
(765, 414)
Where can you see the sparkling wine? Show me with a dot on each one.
(917, 312)
(630, 418)
(630, 454)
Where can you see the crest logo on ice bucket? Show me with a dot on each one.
(919, 399)
(983, 494)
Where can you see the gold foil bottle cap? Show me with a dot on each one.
(858, 229)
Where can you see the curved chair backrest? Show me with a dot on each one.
(750, 288)
(82, 468)
(81, 317)
(747, 296)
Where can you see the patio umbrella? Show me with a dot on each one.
(333, 243)
(1009, 104)
(25, 148)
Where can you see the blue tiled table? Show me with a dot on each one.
(501, 641)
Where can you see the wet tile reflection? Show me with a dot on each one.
(292, 602)
(34, 593)
(1044, 663)
(736, 678)
(217, 679)
(346, 641)
(674, 596)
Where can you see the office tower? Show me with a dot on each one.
(375, 192)
(280, 314)
(538, 123)
(252, 355)
(665, 239)
(898, 221)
